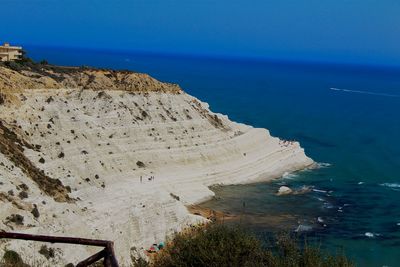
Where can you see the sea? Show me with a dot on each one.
(346, 117)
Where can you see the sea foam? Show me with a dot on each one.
(321, 165)
(290, 176)
(371, 235)
(393, 186)
(320, 191)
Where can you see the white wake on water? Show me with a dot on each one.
(321, 165)
(363, 92)
(290, 176)
(320, 191)
(393, 186)
(369, 234)
(372, 235)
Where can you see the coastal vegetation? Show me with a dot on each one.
(12, 259)
(221, 245)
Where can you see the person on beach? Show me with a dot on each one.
(141, 179)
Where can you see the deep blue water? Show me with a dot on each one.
(356, 131)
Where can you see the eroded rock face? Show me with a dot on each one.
(55, 77)
(12, 146)
(128, 152)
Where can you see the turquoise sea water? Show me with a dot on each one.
(346, 117)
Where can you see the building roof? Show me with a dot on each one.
(7, 46)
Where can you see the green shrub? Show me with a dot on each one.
(12, 259)
(47, 252)
(44, 62)
(219, 245)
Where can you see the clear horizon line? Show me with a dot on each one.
(234, 57)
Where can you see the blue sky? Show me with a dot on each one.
(361, 32)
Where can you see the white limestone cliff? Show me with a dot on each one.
(99, 141)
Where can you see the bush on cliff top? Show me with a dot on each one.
(12, 259)
(219, 245)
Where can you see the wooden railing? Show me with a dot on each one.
(107, 253)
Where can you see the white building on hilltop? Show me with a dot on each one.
(10, 53)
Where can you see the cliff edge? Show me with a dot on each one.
(117, 155)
